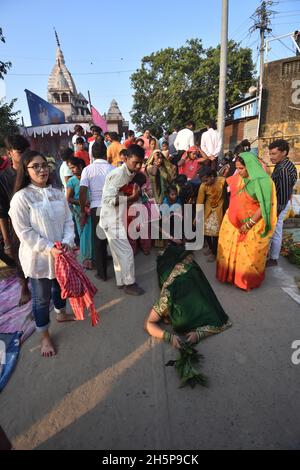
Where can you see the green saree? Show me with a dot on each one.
(187, 298)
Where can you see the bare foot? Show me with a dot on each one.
(63, 317)
(88, 264)
(47, 348)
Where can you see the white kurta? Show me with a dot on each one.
(40, 217)
(184, 140)
(112, 222)
(211, 143)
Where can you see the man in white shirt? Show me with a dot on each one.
(113, 215)
(92, 181)
(211, 144)
(185, 138)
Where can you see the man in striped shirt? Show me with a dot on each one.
(285, 178)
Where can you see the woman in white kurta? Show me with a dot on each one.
(41, 217)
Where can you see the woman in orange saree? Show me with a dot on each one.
(248, 225)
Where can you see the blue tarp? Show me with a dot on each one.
(9, 352)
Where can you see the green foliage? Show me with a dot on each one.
(4, 66)
(176, 85)
(8, 117)
(186, 366)
(8, 120)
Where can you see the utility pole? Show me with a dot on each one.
(262, 21)
(223, 72)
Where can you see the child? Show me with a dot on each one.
(139, 180)
(81, 152)
(170, 208)
(211, 194)
(172, 197)
(152, 148)
(165, 150)
(141, 143)
(123, 154)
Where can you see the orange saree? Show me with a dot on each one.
(242, 257)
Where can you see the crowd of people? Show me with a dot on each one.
(88, 209)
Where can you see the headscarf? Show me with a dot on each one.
(190, 150)
(259, 184)
(165, 175)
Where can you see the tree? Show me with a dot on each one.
(4, 66)
(8, 120)
(8, 117)
(176, 85)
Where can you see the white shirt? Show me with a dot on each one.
(40, 217)
(211, 143)
(64, 172)
(110, 214)
(184, 140)
(93, 177)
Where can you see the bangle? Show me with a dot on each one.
(252, 222)
(167, 337)
(198, 331)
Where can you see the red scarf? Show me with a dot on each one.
(75, 285)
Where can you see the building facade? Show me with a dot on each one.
(280, 116)
(243, 123)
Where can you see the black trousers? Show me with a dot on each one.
(100, 247)
(212, 244)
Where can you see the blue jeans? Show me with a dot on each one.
(42, 291)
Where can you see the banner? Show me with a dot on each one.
(98, 120)
(42, 112)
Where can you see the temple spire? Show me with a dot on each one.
(56, 36)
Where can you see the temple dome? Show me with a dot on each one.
(114, 113)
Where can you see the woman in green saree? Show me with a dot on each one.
(187, 300)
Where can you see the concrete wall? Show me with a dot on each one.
(281, 105)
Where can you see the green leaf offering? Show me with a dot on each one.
(186, 366)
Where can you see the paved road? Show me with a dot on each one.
(108, 387)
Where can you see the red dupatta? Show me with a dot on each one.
(75, 285)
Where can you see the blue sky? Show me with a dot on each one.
(100, 38)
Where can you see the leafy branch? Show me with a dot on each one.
(186, 366)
